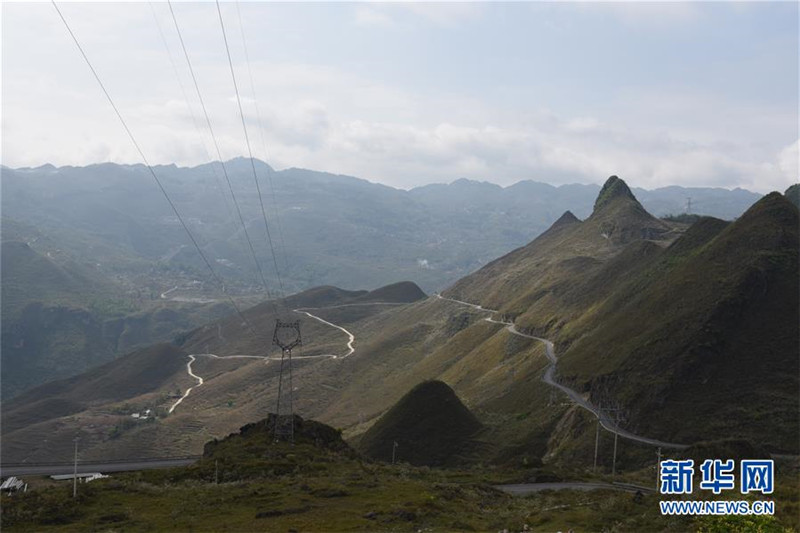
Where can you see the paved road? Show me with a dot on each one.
(575, 396)
(103, 467)
(529, 488)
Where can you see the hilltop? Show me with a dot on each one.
(429, 424)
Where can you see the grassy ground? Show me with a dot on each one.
(354, 496)
(248, 483)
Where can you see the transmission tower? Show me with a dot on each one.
(287, 337)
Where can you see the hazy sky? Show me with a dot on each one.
(696, 94)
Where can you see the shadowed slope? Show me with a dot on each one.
(430, 425)
(129, 376)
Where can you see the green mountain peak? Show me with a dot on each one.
(613, 188)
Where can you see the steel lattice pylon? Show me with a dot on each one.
(287, 337)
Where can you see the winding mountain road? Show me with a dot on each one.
(549, 378)
(302, 310)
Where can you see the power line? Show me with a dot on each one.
(219, 153)
(191, 112)
(250, 153)
(263, 141)
(150, 168)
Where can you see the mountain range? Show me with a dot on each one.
(332, 229)
(688, 331)
(95, 263)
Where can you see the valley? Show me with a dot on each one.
(364, 350)
(485, 381)
(406, 266)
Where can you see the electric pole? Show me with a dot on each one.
(75, 471)
(287, 337)
(596, 441)
(394, 451)
(658, 469)
(617, 418)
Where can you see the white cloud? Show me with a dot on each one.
(436, 13)
(369, 15)
(789, 162)
(444, 13)
(339, 117)
(641, 13)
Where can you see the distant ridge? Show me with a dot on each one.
(401, 292)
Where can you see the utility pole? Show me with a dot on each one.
(394, 451)
(596, 441)
(216, 472)
(658, 470)
(617, 419)
(75, 471)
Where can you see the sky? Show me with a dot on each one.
(691, 94)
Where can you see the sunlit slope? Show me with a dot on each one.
(567, 251)
(495, 374)
(701, 342)
(693, 335)
(98, 405)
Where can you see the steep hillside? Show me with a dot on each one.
(28, 276)
(48, 327)
(429, 424)
(568, 251)
(61, 319)
(129, 376)
(712, 324)
(654, 324)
